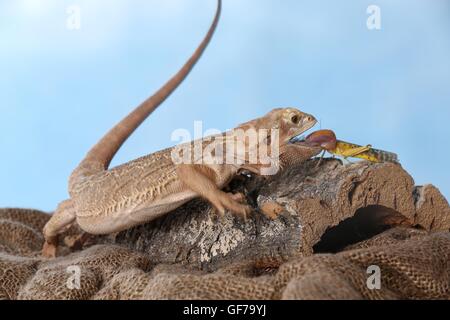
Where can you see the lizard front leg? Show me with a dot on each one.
(205, 182)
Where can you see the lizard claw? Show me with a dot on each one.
(241, 208)
(232, 202)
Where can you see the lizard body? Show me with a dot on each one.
(104, 201)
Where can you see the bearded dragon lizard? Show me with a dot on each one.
(106, 200)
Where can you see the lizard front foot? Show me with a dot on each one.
(232, 202)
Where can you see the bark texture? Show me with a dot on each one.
(304, 210)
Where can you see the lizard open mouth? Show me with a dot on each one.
(326, 139)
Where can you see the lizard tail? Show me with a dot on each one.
(100, 156)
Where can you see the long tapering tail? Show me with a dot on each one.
(100, 156)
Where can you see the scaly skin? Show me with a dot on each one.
(104, 201)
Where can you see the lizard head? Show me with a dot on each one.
(290, 123)
(263, 137)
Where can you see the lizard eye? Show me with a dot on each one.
(295, 119)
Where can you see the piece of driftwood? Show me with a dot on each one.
(304, 210)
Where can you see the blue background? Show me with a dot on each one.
(61, 89)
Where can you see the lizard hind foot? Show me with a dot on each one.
(49, 250)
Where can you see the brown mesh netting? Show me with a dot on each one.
(413, 265)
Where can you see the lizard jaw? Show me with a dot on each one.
(298, 131)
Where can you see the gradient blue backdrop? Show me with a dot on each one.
(60, 90)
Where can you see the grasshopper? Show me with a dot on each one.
(351, 150)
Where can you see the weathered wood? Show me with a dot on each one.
(306, 202)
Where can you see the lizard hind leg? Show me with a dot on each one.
(62, 219)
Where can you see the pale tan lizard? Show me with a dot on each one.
(104, 201)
